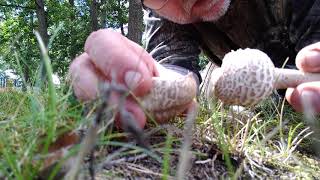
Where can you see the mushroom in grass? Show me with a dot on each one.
(248, 76)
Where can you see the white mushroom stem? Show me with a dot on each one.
(248, 75)
(286, 78)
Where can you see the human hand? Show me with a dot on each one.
(307, 60)
(109, 55)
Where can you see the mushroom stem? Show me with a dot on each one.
(285, 78)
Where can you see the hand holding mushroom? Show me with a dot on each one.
(109, 56)
(248, 76)
(307, 60)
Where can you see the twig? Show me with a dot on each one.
(144, 170)
(122, 160)
(91, 166)
(203, 162)
(167, 127)
(130, 125)
(90, 138)
(17, 6)
(110, 157)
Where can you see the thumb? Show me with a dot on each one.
(308, 59)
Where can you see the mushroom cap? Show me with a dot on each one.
(246, 77)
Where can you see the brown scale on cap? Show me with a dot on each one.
(168, 97)
(248, 75)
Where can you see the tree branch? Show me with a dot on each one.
(17, 6)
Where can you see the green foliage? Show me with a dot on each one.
(25, 123)
(15, 104)
(69, 25)
(116, 13)
(31, 118)
(203, 61)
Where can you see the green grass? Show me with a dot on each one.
(25, 124)
(268, 141)
(30, 120)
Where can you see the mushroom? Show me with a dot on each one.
(169, 96)
(248, 76)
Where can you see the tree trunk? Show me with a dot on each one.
(94, 15)
(135, 25)
(103, 14)
(43, 30)
(71, 2)
(122, 29)
(119, 17)
(42, 18)
(73, 40)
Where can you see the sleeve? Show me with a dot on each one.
(305, 22)
(173, 45)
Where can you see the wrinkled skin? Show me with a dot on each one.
(188, 11)
(108, 54)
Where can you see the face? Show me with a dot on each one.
(189, 11)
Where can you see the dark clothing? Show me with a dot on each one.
(280, 28)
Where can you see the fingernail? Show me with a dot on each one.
(310, 100)
(132, 79)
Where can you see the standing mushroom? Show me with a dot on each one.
(248, 75)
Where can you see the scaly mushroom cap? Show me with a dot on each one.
(246, 77)
(169, 97)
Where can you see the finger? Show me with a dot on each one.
(112, 53)
(139, 116)
(297, 99)
(84, 78)
(85, 81)
(146, 57)
(308, 59)
(132, 107)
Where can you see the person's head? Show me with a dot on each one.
(189, 11)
